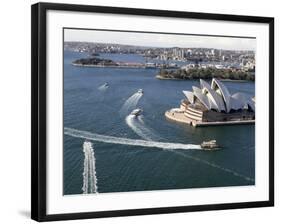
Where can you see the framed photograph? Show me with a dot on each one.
(139, 111)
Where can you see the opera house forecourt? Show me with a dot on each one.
(212, 104)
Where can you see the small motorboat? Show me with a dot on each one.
(140, 91)
(136, 112)
(105, 84)
(210, 145)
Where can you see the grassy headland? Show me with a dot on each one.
(206, 73)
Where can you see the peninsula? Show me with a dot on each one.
(94, 61)
(206, 73)
(102, 62)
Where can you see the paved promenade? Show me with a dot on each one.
(178, 116)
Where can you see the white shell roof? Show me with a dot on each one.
(204, 84)
(252, 104)
(196, 89)
(203, 98)
(236, 104)
(240, 96)
(215, 98)
(217, 85)
(238, 101)
(189, 95)
(245, 101)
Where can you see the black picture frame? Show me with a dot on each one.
(39, 114)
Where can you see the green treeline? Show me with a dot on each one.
(95, 61)
(206, 73)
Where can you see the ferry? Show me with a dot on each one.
(136, 112)
(140, 91)
(210, 145)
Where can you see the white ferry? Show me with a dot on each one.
(210, 145)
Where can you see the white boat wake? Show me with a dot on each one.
(103, 87)
(130, 103)
(127, 141)
(136, 123)
(89, 173)
(140, 118)
(142, 131)
(151, 144)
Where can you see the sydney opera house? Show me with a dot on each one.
(212, 104)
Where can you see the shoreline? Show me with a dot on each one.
(223, 80)
(107, 66)
(166, 78)
(124, 65)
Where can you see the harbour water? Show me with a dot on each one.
(103, 110)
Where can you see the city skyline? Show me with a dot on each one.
(160, 40)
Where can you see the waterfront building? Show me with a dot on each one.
(214, 105)
(189, 53)
(178, 54)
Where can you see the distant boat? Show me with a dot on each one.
(210, 145)
(136, 112)
(150, 65)
(105, 84)
(140, 91)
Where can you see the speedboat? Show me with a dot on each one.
(136, 112)
(210, 145)
(140, 91)
(105, 84)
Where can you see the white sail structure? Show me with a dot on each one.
(217, 97)
(189, 95)
(223, 91)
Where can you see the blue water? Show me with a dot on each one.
(123, 168)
